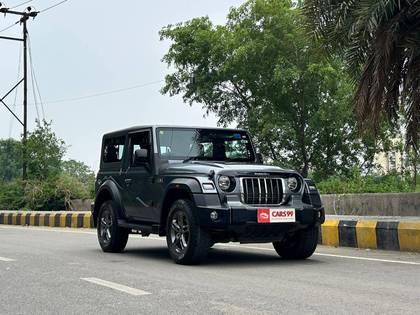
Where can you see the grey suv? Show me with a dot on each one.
(197, 187)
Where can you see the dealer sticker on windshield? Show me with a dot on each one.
(266, 215)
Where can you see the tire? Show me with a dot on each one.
(111, 237)
(188, 243)
(300, 245)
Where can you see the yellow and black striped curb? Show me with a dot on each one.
(374, 234)
(51, 219)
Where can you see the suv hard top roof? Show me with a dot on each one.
(134, 128)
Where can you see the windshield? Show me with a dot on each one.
(205, 144)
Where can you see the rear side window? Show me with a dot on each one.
(113, 149)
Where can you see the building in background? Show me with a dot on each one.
(392, 161)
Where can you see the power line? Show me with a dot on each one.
(18, 5)
(39, 94)
(74, 99)
(35, 87)
(53, 6)
(10, 26)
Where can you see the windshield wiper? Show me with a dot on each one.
(190, 159)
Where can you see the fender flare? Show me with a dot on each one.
(110, 189)
(188, 186)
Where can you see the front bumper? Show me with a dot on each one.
(240, 224)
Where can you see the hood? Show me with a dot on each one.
(234, 169)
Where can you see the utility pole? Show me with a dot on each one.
(25, 15)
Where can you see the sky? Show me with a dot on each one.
(81, 48)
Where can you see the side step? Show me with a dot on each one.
(143, 229)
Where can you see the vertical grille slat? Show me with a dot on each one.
(265, 191)
(256, 194)
(262, 190)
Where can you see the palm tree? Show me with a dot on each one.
(380, 42)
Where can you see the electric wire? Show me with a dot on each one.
(53, 6)
(39, 94)
(34, 94)
(18, 5)
(32, 80)
(9, 27)
(74, 99)
(34, 83)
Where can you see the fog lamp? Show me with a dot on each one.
(214, 215)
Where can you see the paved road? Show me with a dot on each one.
(63, 271)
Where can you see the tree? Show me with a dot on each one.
(10, 159)
(45, 152)
(381, 44)
(52, 183)
(78, 170)
(262, 71)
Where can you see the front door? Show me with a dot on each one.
(138, 199)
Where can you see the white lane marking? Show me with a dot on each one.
(86, 231)
(116, 286)
(371, 259)
(6, 259)
(330, 255)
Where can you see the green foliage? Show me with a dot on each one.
(54, 193)
(12, 195)
(356, 183)
(381, 45)
(78, 170)
(262, 71)
(51, 183)
(10, 159)
(45, 152)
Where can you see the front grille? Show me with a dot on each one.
(262, 191)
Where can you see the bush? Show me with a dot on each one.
(51, 183)
(54, 193)
(50, 194)
(357, 183)
(11, 195)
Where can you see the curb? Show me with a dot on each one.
(372, 234)
(399, 235)
(51, 219)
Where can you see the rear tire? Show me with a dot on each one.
(111, 237)
(188, 243)
(300, 245)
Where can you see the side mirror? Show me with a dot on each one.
(141, 156)
(260, 159)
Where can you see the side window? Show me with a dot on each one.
(139, 141)
(113, 149)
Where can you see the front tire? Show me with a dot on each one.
(300, 245)
(111, 237)
(187, 242)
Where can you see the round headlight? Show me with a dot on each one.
(224, 183)
(293, 184)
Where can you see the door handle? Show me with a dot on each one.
(128, 181)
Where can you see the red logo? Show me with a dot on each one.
(263, 215)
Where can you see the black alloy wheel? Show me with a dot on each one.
(187, 242)
(111, 237)
(180, 232)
